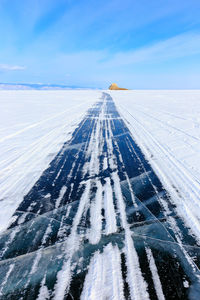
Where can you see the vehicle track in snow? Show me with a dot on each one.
(98, 224)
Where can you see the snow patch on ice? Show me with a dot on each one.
(104, 279)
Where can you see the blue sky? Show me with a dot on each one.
(138, 44)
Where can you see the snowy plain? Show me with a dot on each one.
(166, 126)
(33, 127)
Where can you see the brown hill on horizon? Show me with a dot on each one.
(114, 86)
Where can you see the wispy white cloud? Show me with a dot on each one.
(180, 46)
(183, 45)
(5, 67)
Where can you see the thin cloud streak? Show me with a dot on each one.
(4, 67)
(183, 45)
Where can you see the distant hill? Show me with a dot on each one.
(37, 86)
(114, 86)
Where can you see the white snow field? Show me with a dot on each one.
(166, 125)
(33, 127)
(100, 195)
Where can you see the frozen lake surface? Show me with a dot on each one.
(96, 200)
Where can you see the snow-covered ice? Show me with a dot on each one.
(166, 125)
(100, 198)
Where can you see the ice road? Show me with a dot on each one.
(99, 224)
